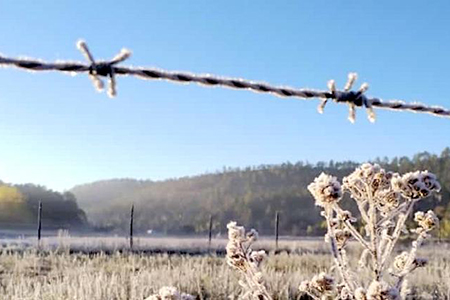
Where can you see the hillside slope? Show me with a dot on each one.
(250, 196)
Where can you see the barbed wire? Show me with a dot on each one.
(109, 69)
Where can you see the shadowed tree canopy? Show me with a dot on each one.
(19, 205)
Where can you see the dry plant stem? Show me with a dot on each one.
(334, 250)
(351, 277)
(248, 270)
(392, 215)
(249, 277)
(353, 230)
(382, 244)
(411, 258)
(374, 239)
(250, 274)
(397, 231)
(363, 211)
(370, 218)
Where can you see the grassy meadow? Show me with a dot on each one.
(58, 272)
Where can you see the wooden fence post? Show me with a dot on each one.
(210, 231)
(131, 226)
(39, 227)
(277, 221)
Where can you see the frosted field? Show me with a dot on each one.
(174, 245)
(57, 274)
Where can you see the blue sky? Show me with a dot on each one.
(57, 131)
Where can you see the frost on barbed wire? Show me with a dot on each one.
(384, 200)
(170, 293)
(110, 69)
(247, 262)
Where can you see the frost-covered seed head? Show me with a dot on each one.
(416, 185)
(430, 181)
(305, 286)
(235, 232)
(235, 255)
(380, 290)
(323, 283)
(387, 200)
(366, 181)
(326, 190)
(360, 294)
(257, 257)
(170, 293)
(252, 235)
(400, 261)
(346, 215)
(342, 236)
(427, 221)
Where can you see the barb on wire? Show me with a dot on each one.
(103, 68)
(352, 98)
(110, 69)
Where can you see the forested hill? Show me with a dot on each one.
(19, 206)
(250, 196)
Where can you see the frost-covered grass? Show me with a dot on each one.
(187, 245)
(132, 276)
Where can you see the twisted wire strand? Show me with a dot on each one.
(109, 69)
(158, 74)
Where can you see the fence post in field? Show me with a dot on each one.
(210, 232)
(131, 226)
(277, 221)
(39, 219)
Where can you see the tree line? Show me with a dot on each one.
(249, 195)
(19, 205)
